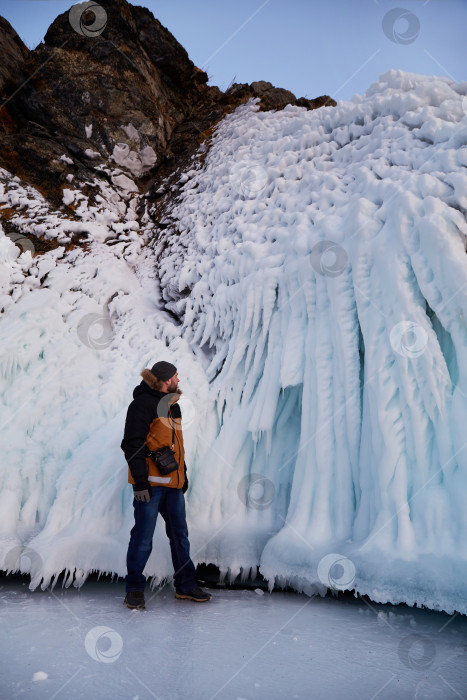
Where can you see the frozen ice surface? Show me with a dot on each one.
(311, 288)
(239, 645)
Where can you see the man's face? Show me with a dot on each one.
(172, 383)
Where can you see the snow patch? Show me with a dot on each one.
(40, 676)
(136, 163)
(131, 132)
(89, 153)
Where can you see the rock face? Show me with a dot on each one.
(13, 53)
(116, 97)
(114, 91)
(276, 98)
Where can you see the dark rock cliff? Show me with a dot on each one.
(115, 90)
(13, 53)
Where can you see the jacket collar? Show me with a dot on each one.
(151, 381)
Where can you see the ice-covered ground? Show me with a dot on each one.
(314, 266)
(244, 644)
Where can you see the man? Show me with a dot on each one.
(154, 421)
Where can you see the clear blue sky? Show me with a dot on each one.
(311, 47)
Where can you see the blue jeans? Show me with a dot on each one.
(170, 503)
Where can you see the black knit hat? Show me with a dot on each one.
(163, 370)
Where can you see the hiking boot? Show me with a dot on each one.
(196, 594)
(135, 600)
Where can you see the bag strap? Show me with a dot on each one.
(173, 430)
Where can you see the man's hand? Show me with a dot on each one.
(143, 495)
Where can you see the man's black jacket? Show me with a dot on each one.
(141, 412)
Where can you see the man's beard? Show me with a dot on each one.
(173, 389)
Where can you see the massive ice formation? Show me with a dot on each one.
(324, 255)
(316, 264)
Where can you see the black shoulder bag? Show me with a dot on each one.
(164, 457)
